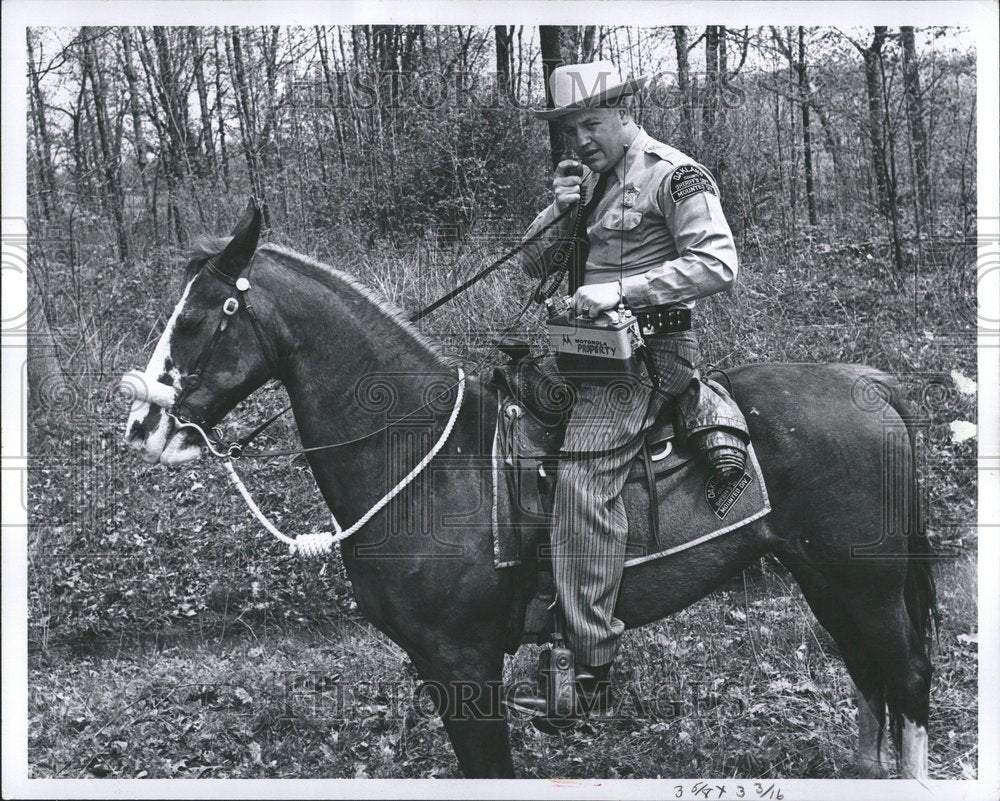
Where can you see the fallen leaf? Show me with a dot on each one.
(965, 385)
(961, 430)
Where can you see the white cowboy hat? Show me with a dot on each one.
(577, 86)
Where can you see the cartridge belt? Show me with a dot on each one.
(664, 320)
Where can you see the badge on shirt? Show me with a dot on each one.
(630, 196)
(688, 180)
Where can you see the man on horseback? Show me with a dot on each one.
(656, 240)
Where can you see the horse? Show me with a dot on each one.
(827, 439)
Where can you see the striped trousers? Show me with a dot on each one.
(590, 529)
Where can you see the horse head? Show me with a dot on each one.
(211, 355)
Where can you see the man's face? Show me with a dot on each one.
(597, 135)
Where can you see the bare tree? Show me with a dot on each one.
(587, 43)
(205, 137)
(915, 120)
(135, 109)
(245, 112)
(681, 48)
(710, 94)
(220, 106)
(802, 70)
(551, 58)
(503, 36)
(42, 142)
(871, 54)
(332, 92)
(110, 161)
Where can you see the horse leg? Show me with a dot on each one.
(885, 658)
(467, 691)
(829, 603)
(874, 758)
(906, 675)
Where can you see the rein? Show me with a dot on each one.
(237, 449)
(490, 268)
(318, 543)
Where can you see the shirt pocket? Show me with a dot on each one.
(616, 221)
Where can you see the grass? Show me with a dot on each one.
(765, 696)
(168, 637)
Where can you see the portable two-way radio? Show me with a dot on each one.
(610, 344)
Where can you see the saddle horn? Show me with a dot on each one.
(234, 259)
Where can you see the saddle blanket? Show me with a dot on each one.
(691, 509)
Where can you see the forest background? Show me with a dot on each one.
(846, 159)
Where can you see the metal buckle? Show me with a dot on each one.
(230, 307)
(235, 450)
(657, 457)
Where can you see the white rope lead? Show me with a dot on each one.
(321, 542)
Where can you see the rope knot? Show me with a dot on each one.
(310, 545)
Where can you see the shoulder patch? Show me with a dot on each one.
(688, 180)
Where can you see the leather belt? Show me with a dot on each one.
(664, 320)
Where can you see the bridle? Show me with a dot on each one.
(236, 449)
(231, 306)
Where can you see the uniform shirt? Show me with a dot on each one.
(662, 223)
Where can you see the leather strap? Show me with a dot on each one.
(654, 507)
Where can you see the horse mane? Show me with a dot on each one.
(207, 247)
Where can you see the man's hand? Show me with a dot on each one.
(592, 299)
(565, 186)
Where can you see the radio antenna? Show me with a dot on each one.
(621, 251)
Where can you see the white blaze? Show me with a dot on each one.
(161, 444)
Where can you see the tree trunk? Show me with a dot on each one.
(170, 123)
(219, 106)
(587, 47)
(915, 120)
(806, 134)
(503, 36)
(569, 36)
(110, 166)
(551, 58)
(709, 103)
(324, 58)
(683, 82)
(269, 50)
(891, 176)
(46, 378)
(43, 144)
(872, 56)
(244, 109)
(135, 110)
(207, 142)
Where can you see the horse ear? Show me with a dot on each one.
(234, 259)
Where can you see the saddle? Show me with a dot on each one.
(535, 403)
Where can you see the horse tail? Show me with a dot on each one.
(919, 589)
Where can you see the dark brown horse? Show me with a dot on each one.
(832, 441)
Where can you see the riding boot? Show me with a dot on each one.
(593, 690)
(593, 695)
